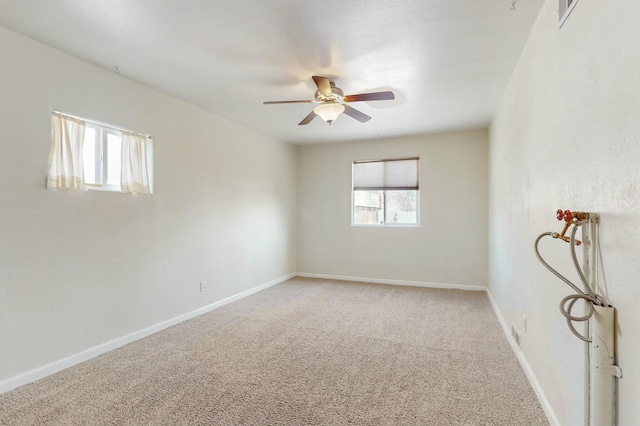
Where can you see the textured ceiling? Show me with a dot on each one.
(447, 62)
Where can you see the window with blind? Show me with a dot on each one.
(385, 192)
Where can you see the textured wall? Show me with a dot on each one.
(567, 136)
(449, 247)
(81, 268)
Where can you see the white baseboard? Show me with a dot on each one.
(59, 365)
(544, 401)
(394, 282)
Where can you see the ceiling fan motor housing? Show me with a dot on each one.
(336, 95)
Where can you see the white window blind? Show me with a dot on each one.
(383, 175)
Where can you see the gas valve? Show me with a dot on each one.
(569, 218)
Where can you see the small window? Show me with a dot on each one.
(102, 154)
(385, 192)
(88, 155)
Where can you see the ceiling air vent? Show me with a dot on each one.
(564, 9)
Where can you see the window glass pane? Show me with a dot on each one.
(368, 207)
(114, 150)
(89, 153)
(401, 207)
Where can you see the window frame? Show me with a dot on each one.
(385, 198)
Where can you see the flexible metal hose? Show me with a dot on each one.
(574, 257)
(566, 312)
(556, 273)
(589, 296)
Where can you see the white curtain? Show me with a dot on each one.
(65, 159)
(136, 161)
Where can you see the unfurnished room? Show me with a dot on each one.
(407, 212)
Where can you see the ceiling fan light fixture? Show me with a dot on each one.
(330, 99)
(329, 112)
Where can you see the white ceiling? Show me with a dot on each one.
(447, 61)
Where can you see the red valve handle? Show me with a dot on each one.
(565, 215)
(568, 217)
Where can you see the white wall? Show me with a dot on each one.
(567, 136)
(450, 246)
(81, 268)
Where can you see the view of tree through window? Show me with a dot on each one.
(384, 207)
(385, 192)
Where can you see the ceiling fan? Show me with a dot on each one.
(331, 100)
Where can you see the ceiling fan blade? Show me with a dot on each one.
(287, 102)
(376, 96)
(324, 85)
(354, 113)
(307, 119)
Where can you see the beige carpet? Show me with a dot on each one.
(304, 352)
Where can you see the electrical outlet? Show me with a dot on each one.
(524, 323)
(203, 286)
(515, 333)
